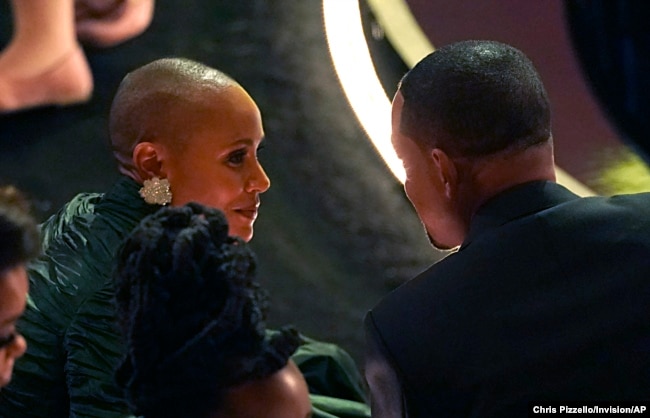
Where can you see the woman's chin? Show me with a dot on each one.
(243, 232)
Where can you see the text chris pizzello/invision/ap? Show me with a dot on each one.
(633, 409)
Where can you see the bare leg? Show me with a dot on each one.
(43, 63)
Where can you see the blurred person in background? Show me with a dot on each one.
(19, 242)
(44, 64)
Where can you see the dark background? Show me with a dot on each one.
(612, 40)
(335, 231)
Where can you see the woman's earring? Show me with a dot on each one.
(156, 191)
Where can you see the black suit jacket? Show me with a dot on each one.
(548, 299)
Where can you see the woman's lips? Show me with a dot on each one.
(248, 213)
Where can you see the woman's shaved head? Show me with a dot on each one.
(157, 101)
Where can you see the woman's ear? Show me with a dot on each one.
(446, 171)
(147, 160)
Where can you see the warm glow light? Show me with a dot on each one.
(356, 72)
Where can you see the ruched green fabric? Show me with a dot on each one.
(335, 384)
(69, 324)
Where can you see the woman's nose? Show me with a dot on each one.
(258, 181)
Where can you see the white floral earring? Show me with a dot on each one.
(156, 191)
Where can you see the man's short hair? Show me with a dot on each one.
(474, 98)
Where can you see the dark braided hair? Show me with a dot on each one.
(192, 314)
(19, 236)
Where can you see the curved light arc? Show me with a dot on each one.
(358, 77)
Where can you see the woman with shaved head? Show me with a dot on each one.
(199, 136)
(181, 132)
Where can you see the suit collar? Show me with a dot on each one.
(516, 202)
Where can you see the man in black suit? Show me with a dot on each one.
(547, 299)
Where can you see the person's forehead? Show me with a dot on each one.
(278, 395)
(396, 111)
(215, 110)
(398, 102)
(13, 292)
(396, 118)
(232, 106)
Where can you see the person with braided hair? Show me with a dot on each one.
(180, 132)
(204, 351)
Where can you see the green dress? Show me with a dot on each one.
(69, 324)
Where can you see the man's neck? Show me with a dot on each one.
(491, 175)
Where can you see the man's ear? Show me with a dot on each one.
(147, 160)
(446, 170)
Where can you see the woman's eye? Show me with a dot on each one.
(7, 338)
(237, 157)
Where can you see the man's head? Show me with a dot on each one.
(466, 120)
(19, 242)
(180, 120)
(193, 317)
